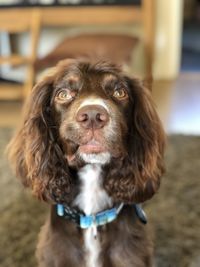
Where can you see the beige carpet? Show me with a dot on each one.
(174, 213)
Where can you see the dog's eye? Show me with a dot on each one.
(120, 94)
(65, 95)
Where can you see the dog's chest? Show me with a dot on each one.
(92, 199)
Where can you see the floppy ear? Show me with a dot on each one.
(136, 177)
(35, 151)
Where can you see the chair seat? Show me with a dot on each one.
(11, 91)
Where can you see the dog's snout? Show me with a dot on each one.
(92, 116)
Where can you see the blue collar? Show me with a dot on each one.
(101, 218)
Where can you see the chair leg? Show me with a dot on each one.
(29, 82)
(35, 32)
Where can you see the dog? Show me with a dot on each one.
(91, 145)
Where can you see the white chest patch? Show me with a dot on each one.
(92, 199)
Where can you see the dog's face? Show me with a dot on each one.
(92, 111)
(84, 113)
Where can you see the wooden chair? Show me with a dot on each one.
(14, 22)
(143, 14)
(29, 18)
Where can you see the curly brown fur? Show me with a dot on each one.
(136, 178)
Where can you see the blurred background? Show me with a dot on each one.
(150, 39)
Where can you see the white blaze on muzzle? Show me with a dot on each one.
(94, 101)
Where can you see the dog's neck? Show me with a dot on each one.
(92, 197)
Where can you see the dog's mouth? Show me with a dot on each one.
(91, 147)
(85, 152)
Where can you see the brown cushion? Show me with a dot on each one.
(116, 48)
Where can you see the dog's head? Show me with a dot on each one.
(82, 113)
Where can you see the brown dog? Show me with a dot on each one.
(92, 142)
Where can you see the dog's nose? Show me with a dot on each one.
(92, 116)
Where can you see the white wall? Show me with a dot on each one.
(169, 19)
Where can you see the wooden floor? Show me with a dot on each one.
(178, 104)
